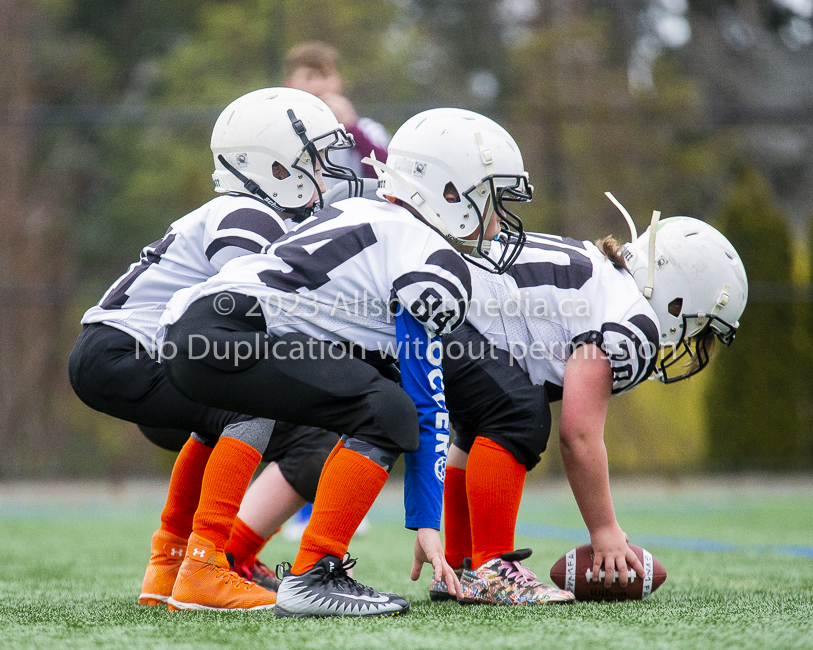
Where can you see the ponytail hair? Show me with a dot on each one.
(612, 251)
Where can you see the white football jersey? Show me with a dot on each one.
(341, 274)
(558, 294)
(193, 249)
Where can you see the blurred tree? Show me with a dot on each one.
(803, 336)
(154, 173)
(33, 260)
(752, 60)
(50, 159)
(753, 400)
(591, 134)
(128, 32)
(463, 61)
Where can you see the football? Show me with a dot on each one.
(574, 571)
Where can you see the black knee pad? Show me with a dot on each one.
(379, 456)
(300, 452)
(525, 449)
(395, 418)
(174, 439)
(169, 439)
(303, 473)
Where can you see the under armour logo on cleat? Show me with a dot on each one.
(176, 551)
(198, 552)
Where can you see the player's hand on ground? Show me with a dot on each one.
(612, 553)
(429, 549)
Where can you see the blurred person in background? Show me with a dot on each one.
(314, 67)
(576, 322)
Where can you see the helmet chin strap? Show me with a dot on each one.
(420, 203)
(623, 210)
(650, 271)
(300, 214)
(653, 232)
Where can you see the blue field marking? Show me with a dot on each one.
(581, 536)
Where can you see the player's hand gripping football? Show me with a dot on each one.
(429, 549)
(612, 553)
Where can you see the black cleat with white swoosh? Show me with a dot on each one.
(327, 590)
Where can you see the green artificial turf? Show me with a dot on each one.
(73, 572)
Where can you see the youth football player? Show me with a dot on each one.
(579, 323)
(361, 278)
(270, 148)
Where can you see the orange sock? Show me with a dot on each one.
(456, 526)
(225, 482)
(347, 489)
(494, 482)
(184, 488)
(244, 544)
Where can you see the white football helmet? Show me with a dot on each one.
(269, 143)
(697, 286)
(457, 169)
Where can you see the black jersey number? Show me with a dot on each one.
(621, 372)
(309, 270)
(561, 276)
(152, 254)
(425, 308)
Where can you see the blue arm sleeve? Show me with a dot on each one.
(420, 357)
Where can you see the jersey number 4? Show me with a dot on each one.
(309, 270)
(150, 255)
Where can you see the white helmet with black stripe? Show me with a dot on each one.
(458, 169)
(271, 142)
(696, 283)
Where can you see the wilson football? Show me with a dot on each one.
(574, 572)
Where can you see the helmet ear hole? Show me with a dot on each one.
(450, 193)
(280, 171)
(675, 307)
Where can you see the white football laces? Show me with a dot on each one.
(631, 574)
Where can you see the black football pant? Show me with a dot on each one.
(111, 373)
(293, 378)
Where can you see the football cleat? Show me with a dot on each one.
(205, 582)
(438, 591)
(258, 573)
(167, 551)
(327, 590)
(504, 581)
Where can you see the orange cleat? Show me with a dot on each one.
(167, 551)
(205, 582)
